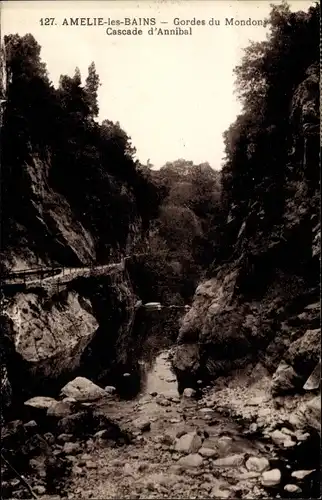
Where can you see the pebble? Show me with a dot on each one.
(41, 490)
(64, 438)
(192, 460)
(289, 444)
(207, 452)
(231, 461)
(257, 464)
(206, 410)
(78, 470)
(71, 448)
(30, 425)
(271, 477)
(301, 474)
(143, 424)
(302, 437)
(91, 465)
(189, 393)
(248, 475)
(218, 492)
(292, 488)
(282, 439)
(110, 389)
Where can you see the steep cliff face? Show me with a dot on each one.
(46, 222)
(47, 332)
(263, 304)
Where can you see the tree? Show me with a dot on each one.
(92, 84)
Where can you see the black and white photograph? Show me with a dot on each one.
(160, 238)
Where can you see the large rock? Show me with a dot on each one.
(208, 452)
(191, 461)
(216, 335)
(304, 354)
(282, 439)
(188, 443)
(83, 389)
(61, 409)
(257, 464)
(142, 424)
(285, 380)
(189, 392)
(271, 478)
(49, 336)
(186, 364)
(41, 403)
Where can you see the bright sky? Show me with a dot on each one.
(172, 94)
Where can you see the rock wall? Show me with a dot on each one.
(46, 220)
(263, 305)
(49, 336)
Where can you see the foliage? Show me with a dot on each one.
(259, 142)
(91, 164)
(180, 248)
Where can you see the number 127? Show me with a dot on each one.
(47, 21)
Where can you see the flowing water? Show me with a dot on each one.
(159, 377)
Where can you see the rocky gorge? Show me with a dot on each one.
(211, 396)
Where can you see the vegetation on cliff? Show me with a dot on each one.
(267, 148)
(90, 165)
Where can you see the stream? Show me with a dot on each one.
(158, 401)
(210, 461)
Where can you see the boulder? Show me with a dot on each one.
(292, 488)
(71, 448)
(186, 364)
(281, 439)
(188, 443)
(31, 425)
(207, 452)
(304, 353)
(301, 474)
(271, 478)
(61, 409)
(49, 340)
(142, 424)
(285, 380)
(256, 464)
(110, 389)
(191, 461)
(189, 393)
(38, 406)
(83, 389)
